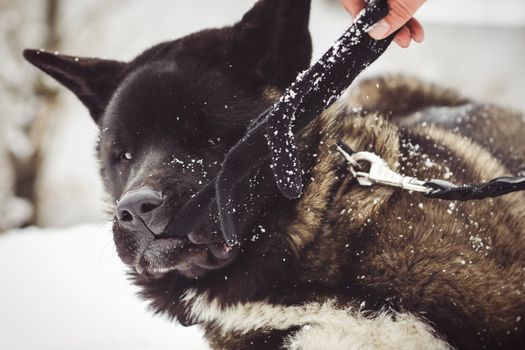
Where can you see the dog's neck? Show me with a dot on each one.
(332, 197)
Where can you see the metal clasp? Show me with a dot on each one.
(380, 172)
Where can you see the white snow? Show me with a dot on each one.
(474, 12)
(66, 289)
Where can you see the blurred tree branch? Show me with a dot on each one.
(24, 119)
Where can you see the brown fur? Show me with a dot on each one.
(460, 266)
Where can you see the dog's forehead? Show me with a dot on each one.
(153, 94)
(170, 97)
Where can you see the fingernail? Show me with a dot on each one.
(379, 30)
(419, 38)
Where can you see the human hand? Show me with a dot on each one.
(400, 16)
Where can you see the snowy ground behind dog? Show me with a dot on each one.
(65, 288)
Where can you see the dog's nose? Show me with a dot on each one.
(136, 208)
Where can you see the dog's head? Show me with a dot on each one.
(168, 118)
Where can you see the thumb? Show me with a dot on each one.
(401, 11)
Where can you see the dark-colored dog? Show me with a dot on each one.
(344, 267)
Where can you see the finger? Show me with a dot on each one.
(353, 6)
(403, 37)
(417, 30)
(400, 12)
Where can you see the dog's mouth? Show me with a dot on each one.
(152, 256)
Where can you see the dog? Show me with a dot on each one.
(344, 266)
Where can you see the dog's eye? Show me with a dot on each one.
(126, 156)
(213, 141)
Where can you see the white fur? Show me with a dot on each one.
(323, 325)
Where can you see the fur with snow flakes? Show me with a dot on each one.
(354, 267)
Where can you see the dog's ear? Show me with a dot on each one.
(272, 41)
(92, 80)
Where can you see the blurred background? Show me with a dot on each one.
(62, 285)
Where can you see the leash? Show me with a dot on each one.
(313, 91)
(270, 140)
(379, 173)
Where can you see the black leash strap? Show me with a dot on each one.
(498, 187)
(315, 90)
(272, 135)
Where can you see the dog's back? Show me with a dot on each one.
(459, 264)
(412, 103)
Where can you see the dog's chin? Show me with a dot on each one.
(153, 257)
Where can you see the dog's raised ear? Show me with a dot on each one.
(92, 80)
(273, 42)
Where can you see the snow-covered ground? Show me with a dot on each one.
(65, 289)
